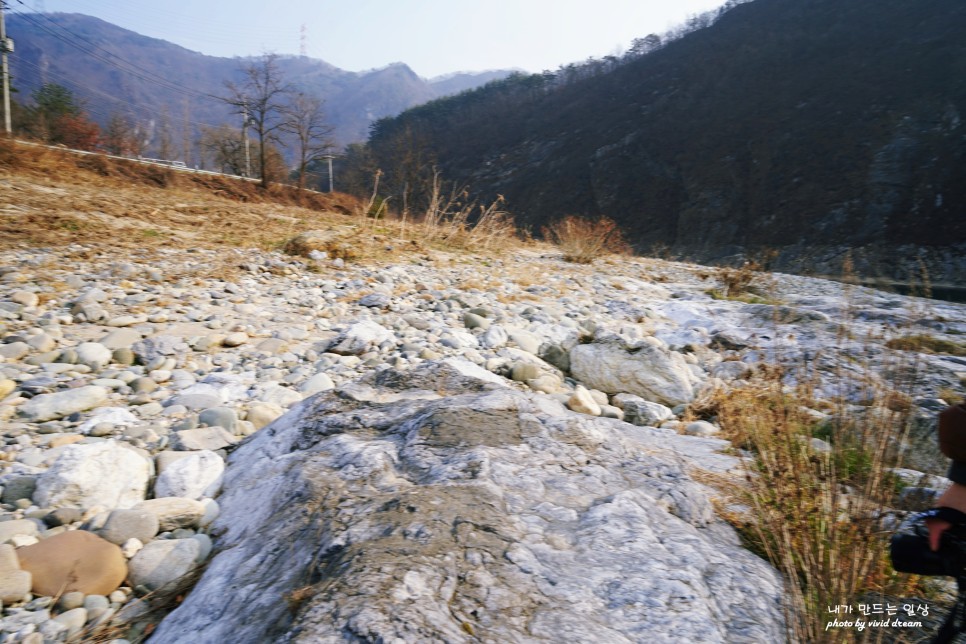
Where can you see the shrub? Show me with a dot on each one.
(584, 240)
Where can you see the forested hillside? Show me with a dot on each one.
(806, 126)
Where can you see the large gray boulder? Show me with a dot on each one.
(643, 368)
(383, 511)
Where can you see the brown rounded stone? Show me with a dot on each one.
(74, 561)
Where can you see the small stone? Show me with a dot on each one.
(161, 563)
(701, 428)
(192, 477)
(124, 356)
(73, 619)
(14, 582)
(473, 321)
(125, 321)
(211, 511)
(219, 417)
(7, 387)
(122, 525)
(62, 516)
(174, 512)
(547, 383)
(21, 487)
(235, 339)
(131, 547)
(273, 346)
(63, 403)
(42, 343)
(25, 298)
(262, 414)
(71, 600)
(120, 339)
(100, 602)
(315, 384)
(10, 529)
(14, 351)
(376, 301)
(582, 402)
(524, 371)
(204, 438)
(204, 550)
(93, 354)
(75, 560)
(89, 474)
(64, 439)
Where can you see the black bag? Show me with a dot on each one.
(910, 552)
(909, 546)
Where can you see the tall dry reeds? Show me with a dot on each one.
(820, 488)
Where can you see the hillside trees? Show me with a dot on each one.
(57, 117)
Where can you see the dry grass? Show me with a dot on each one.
(927, 344)
(828, 543)
(55, 198)
(815, 511)
(455, 223)
(584, 240)
(748, 282)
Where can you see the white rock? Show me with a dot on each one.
(194, 476)
(162, 562)
(93, 354)
(85, 475)
(117, 416)
(494, 337)
(131, 547)
(120, 339)
(315, 384)
(174, 512)
(701, 428)
(583, 403)
(62, 403)
(360, 337)
(650, 372)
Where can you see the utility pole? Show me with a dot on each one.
(330, 157)
(248, 153)
(6, 46)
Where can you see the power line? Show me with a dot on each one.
(132, 106)
(107, 57)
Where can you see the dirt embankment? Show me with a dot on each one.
(53, 197)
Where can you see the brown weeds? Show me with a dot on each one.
(584, 240)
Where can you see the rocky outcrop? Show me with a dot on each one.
(382, 511)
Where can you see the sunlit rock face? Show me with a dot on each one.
(439, 505)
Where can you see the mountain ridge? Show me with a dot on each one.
(118, 73)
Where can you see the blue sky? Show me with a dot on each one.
(433, 37)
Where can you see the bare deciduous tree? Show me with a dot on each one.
(224, 146)
(260, 98)
(305, 121)
(120, 136)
